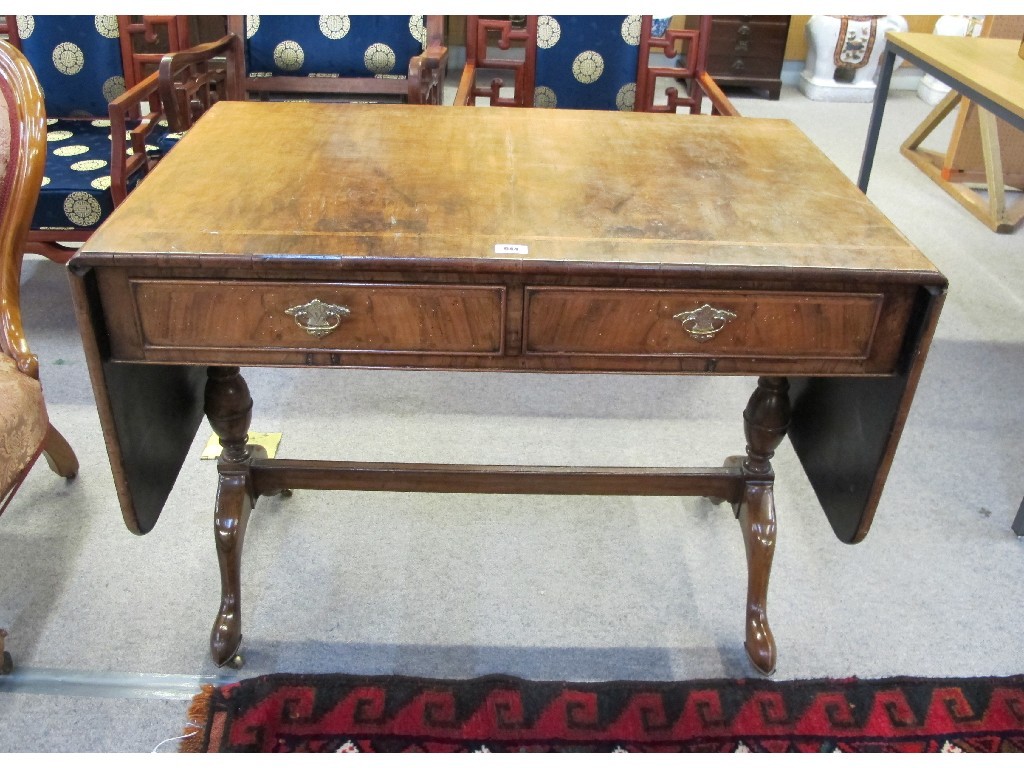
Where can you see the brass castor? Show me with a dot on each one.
(235, 662)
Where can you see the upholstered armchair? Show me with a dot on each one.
(588, 62)
(104, 116)
(25, 429)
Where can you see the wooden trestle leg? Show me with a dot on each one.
(245, 475)
(766, 419)
(229, 409)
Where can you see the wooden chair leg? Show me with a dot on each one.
(56, 252)
(59, 454)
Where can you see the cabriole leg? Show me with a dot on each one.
(229, 408)
(232, 514)
(766, 419)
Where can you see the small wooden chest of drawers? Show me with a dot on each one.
(747, 51)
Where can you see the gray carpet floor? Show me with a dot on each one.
(109, 631)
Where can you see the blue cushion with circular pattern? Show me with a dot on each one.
(76, 182)
(589, 62)
(343, 46)
(77, 60)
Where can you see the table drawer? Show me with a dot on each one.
(363, 317)
(716, 324)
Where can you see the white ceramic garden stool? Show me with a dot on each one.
(843, 54)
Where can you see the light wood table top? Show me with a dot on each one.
(990, 66)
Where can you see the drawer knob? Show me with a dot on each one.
(704, 322)
(318, 318)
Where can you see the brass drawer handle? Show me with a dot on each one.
(318, 318)
(704, 322)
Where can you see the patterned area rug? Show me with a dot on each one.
(341, 713)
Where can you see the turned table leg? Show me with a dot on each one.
(229, 409)
(766, 419)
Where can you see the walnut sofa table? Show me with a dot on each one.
(332, 235)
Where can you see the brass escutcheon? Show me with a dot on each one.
(318, 318)
(704, 322)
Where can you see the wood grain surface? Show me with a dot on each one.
(991, 66)
(380, 184)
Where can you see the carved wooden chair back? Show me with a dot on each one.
(146, 39)
(25, 429)
(379, 58)
(588, 62)
(101, 142)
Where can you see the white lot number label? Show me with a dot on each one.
(510, 248)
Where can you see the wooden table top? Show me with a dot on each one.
(387, 184)
(991, 66)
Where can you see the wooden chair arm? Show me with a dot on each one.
(188, 87)
(720, 104)
(225, 46)
(464, 95)
(427, 73)
(128, 106)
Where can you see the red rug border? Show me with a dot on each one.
(196, 736)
